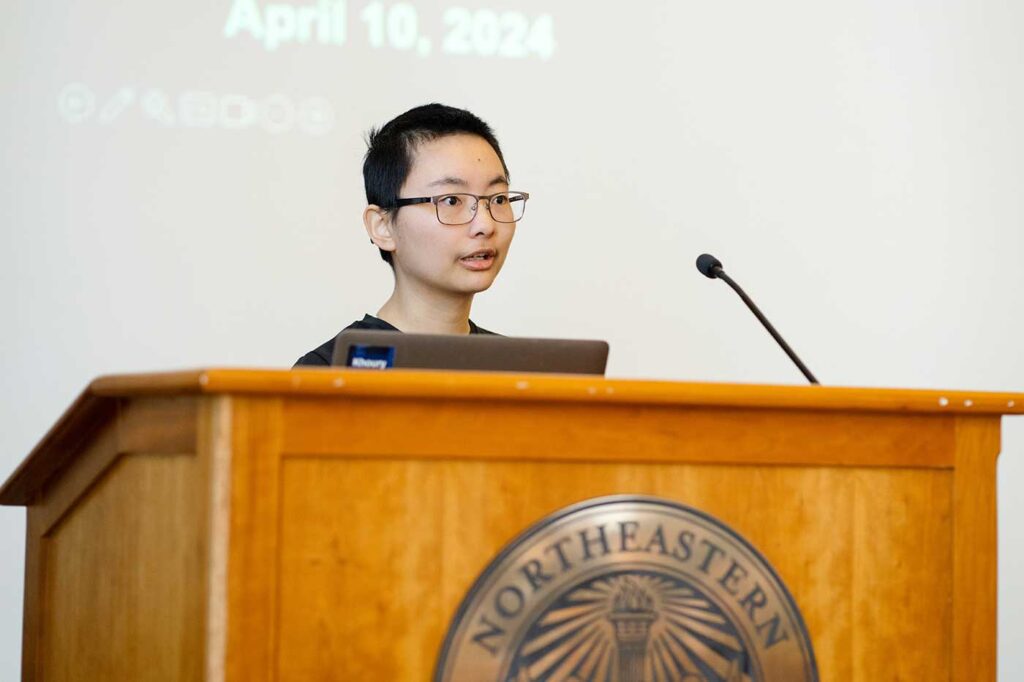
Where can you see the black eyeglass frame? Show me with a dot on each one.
(412, 201)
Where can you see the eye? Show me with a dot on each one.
(500, 199)
(450, 200)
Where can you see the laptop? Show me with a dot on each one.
(481, 352)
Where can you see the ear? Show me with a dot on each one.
(379, 227)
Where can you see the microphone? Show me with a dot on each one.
(711, 267)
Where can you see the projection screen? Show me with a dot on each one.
(181, 187)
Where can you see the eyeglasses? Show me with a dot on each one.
(460, 208)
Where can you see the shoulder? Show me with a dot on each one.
(322, 355)
(475, 329)
(318, 357)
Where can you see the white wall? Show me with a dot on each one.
(857, 166)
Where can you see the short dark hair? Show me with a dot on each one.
(390, 149)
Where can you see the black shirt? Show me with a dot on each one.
(321, 356)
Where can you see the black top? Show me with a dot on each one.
(321, 356)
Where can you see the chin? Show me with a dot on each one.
(477, 285)
(478, 288)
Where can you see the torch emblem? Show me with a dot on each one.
(633, 626)
(631, 615)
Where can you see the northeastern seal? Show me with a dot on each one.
(628, 589)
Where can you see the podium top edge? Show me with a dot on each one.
(551, 388)
(100, 402)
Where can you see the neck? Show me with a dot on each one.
(427, 312)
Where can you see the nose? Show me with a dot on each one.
(483, 223)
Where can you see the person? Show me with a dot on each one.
(440, 211)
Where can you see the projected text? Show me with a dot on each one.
(396, 26)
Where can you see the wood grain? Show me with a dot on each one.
(161, 424)
(362, 570)
(504, 430)
(123, 578)
(369, 587)
(33, 604)
(57, 449)
(151, 425)
(214, 433)
(252, 584)
(975, 550)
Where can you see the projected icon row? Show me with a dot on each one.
(276, 113)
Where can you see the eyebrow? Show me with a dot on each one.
(459, 182)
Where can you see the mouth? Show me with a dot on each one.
(479, 260)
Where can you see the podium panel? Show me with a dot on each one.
(321, 524)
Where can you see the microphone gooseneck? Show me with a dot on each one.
(711, 267)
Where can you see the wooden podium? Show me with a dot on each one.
(325, 524)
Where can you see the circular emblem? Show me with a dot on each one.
(628, 589)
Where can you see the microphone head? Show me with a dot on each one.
(708, 265)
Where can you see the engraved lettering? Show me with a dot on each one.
(730, 581)
(713, 549)
(534, 572)
(685, 543)
(773, 624)
(755, 600)
(501, 601)
(658, 540)
(557, 547)
(589, 542)
(627, 536)
(491, 631)
(539, 602)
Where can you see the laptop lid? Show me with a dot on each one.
(481, 352)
